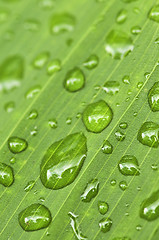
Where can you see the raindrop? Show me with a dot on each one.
(157, 40)
(153, 97)
(53, 66)
(154, 13)
(46, 4)
(138, 227)
(121, 16)
(105, 225)
(74, 80)
(123, 125)
(139, 85)
(103, 207)
(154, 167)
(113, 182)
(17, 145)
(90, 191)
(6, 175)
(33, 114)
(53, 123)
(129, 166)
(12, 160)
(91, 62)
(34, 131)
(123, 185)
(107, 147)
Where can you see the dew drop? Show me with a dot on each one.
(68, 121)
(32, 92)
(118, 44)
(113, 182)
(90, 191)
(9, 107)
(12, 160)
(29, 186)
(126, 79)
(153, 97)
(103, 207)
(154, 167)
(123, 185)
(91, 62)
(53, 123)
(138, 227)
(120, 136)
(136, 30)
(105, 225)
(33, 114)
(40, 60)
(17, 145)
(60, 23)
(97, 116)
(123, 125)
(111, 87)
(154, 13)
(107, 147)
(121, 16)
(63, 161)
(31, 25)
(35, 217)
(129, 166)
(6, 175)
(53, 66)
(74, 80)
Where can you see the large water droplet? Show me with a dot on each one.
(62, 23)
(11, 73)
(105, 225)
(63, 161)
(129, 166)
(103, 207)
(53, 66)
(40, 60)
(148, 134)
(154, 13)
(29, 186)
(35, 217)
(6, 175)
(153, 97)
(32, 92)
(17, 145)
(91, 62)
(149, 209)
(107, 147)
(111, 87)
(97, 116)
(75, 226)
(75, 80)
(118, 44)
(121, 16)
(90, 191)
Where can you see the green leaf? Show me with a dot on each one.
(69, 33)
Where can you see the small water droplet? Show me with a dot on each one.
(154, 167)
(139, 85)
(91, 62)
(90, 191)
(135, 114)
(103, 207)
(9, 107)
(17, 145)
(35, 217)
(97, 116)
(123, 125)
(41, 199)
(53, 66)
(68, 121)
(128, 166)
(126, 79)
(121, 16)
(6, 175)
(107, 147)
(136, 30)
(147, 74)
(123, 185)
(40, 60)
(120, 136)
(60, 23)
(113, 182)
(157, 40)
(33, 114)
(74, 80)
(32, 92)
(53, 123)
(32, 25)
(29, 186)
(118, 44)
(154, 13)
(138, 227)
(79, 115)
(138, 188)
(111, 87)
(105, 224)
(153, 97)
(34, 131)
(12, 160)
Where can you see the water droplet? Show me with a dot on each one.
(41, 199)
(126, 79)
(113, 182)
(154, 167)
(118, 44)
(12, 160)
(149, 209)
(31, 25)
(11, 73)
(153, 97)
(135, 114)
(74, 80)
(33, 114)
(9, 107)
(107, 147)
(136, 30)
(90, 191)
(79, 115)
(105, 225)
(111, 87)
(6, 175)
(32, 92)
(35, 217)
(129, 166)
(157, 40)
(138, 227)
(91, 62)
(121, 16)
(63, 161)
(75, 226)
(68, 121)
(34, 131)
(103, 207)
(40, 60)
(53, 66)
(154, 13)
(120, 136)
(4, 14)
(123, 185)
(29, 186)
(62, 23)
(17, 145)
(139, 85)
(147, 74)
(123, 125)
(97, 116)
(53, 123)
(148, 134)
(138, 188)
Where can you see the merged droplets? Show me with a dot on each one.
(11, 73)
(129, 166)
(118, 44)
(111, 87)
(6, 175)
(97, 116)
(107, 147)
(91, 62)
(121, 16)
(63, 22)
(74, 80)
(154, 13)
(103, 207)
(35, 217)
(148, 134)
(53, 66)
(153, 97)
(63, 161)
(17, 145)
(90, 191)
(32, 92)
(40, 60)
(105, 225)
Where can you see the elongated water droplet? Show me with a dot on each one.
(90, 191)
(103, 207)
(33, 114)
(60, 23)
(97, 116)
(74, 80)
(63, 161)
(4, 14)
(118, 44)
(6, 175)
(29, 186)
(9, 107)
(32, 25)
(40, 60)
(53, 123)
(11, 73)
(153, 97)
(32, 92)
(75, 226)
(120, 136)
(17, 145)
(123, 185)
(107, 147)
(121, 16)
(129, 166)
(148, 134)
(35, 217)
(91, 62)
(149, 208)
(53, 66)
(154, 13)
(135, 30)
(126, 79)
(123, 125)
(105, 224)
(111, 87)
